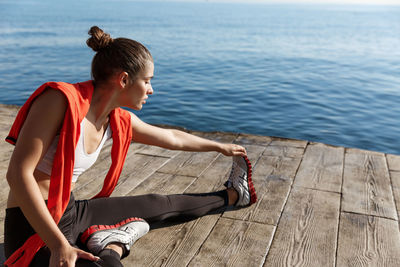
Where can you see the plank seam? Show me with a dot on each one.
(150, 174)
(340, 207)
(362, 214)
(156, 156)
(191, 176)
(205, 239)
(316, 189)
(197, 177)
(236, 219)
(284, 205)
(391, 187)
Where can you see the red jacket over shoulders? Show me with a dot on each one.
(79, 96)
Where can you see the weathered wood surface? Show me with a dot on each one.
(366, 185)
(395, 178)
(368, 241)
(321, 168)
(307, 230)
(319, 205)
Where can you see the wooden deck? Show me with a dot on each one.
(319, 205)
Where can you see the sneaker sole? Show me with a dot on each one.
(253, 195)
(96, 228)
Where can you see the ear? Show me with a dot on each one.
(123, 78)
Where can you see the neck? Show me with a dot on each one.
(102, 103)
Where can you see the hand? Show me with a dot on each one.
(67, 256)
(233, 150)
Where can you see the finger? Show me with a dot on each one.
(239, 153)
(86, 255)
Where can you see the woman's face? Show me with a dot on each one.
(137, 91)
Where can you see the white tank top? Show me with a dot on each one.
(83, 160)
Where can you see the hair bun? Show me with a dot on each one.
(99, 39)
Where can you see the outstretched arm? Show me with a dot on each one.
(179, 140)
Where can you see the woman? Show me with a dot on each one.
(59, 133)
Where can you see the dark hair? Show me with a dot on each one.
(116, 54)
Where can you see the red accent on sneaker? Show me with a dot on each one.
(253, 195)
(95, 228)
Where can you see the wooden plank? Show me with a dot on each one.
(366, 185)
(189, 163)
(247, 139)
(321, 168)
(136, 169)
(4, 189)
(307, 231)
(2, 218)
(368, 241)
(272, 179)
(284, 151)
(245, 244)
(395, 178)
(163, 183)
(6, 119)
(9, 109)
(171, 245)
(157, 151)
(6, 151)
(393, 162)
(193, 164)
(276, 141)
(221, 137)
(362, 151)
(254, 152)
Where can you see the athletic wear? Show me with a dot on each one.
(78, 96)
(81, 214)
(83, 160)
(240, 180)
(97, 237)
(22, 244)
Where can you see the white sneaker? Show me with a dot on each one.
(97, 237)
(240, 180)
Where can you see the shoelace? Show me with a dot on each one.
(234, 165)
(237, 171)
(132, 236)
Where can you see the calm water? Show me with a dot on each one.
(320, 73)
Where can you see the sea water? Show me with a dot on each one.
(326, 73)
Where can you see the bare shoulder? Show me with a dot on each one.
(45, 115)
(43, 122)
(49, 106)
(51, 99)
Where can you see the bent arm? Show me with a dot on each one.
(179, 140)
(41, 125)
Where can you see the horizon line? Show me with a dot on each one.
(300, 2)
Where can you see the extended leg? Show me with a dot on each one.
(151, 207)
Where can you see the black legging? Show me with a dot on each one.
(81, 214)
